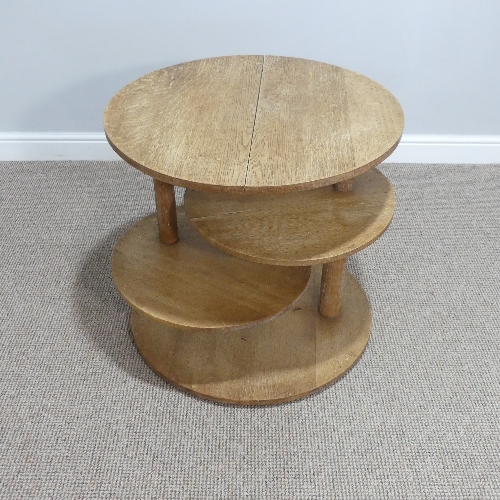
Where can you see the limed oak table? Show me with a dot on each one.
(242, 296)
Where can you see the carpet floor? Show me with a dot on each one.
(82, 416)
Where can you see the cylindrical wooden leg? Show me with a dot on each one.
(344, 186)
(166, 212)
(331, 288)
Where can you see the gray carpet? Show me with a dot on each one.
(81, 416)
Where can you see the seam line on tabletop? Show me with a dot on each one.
(254, 121)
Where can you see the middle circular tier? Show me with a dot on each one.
(191, 284)
(295, 229)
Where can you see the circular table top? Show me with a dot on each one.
(295, 229)
(250, 124)
(192, 285)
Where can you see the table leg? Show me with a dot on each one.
(166, 212)
(332, 280)
(344, 186)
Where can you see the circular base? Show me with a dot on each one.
(287, 358)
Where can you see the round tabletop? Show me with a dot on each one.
(305, 228)
(250, 124)
(192, 285)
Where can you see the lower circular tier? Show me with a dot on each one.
(282, 360)
(192, 285)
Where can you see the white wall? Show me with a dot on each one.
(61, 61)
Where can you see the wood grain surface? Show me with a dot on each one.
(190, 124)
(190, 284)
(287, 358)
(332, 283)
(295, 229)
(345, 186)
(250, 124)
(166, 212)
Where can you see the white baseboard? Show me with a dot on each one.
(476, 149)
(42, 146)
(18, 146)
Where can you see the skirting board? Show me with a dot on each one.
(33, 146)
(45, 146)
(471, 149)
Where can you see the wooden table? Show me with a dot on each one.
(242, 296)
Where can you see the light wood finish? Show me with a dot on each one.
(166, 212)
(193, 285)
(332, 280)
(190, 124)
(288, 358)
(299, 229)
(251, 124)
(275, 128)
(318, 124)
(344, 186)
